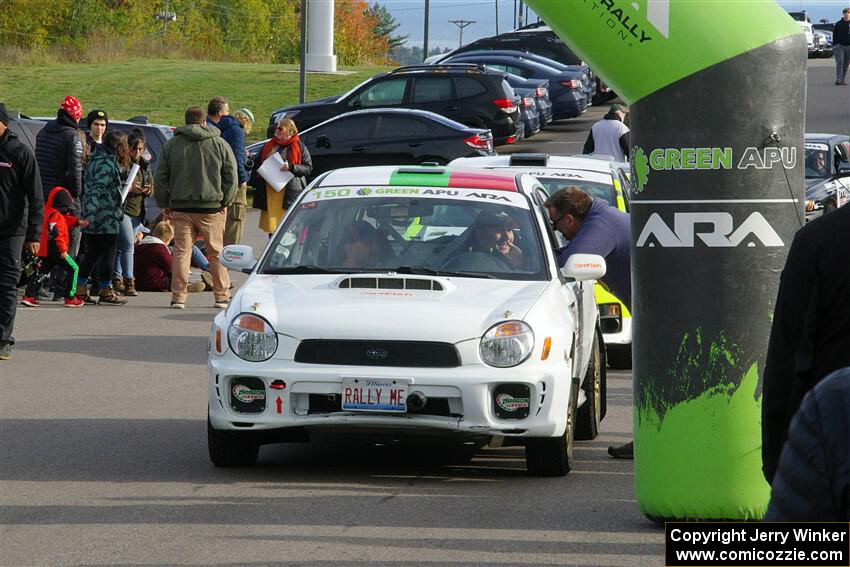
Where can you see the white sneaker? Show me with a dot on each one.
(221, 303)
(178, 305)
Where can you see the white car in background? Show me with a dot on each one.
(601, 177)
(379, 308)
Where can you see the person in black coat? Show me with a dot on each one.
(21, 215)
(59, 151)
(812, 482)
(810, 336)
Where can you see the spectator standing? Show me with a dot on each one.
(103, 212)
(21, 213)
(53, 249)
(97, 122)
(274, 204)
(123, 280)
(812, 482)
(841, 47)
(593, 227)
(218, 115)
(196, 180)
(810, 335)
(610, 136)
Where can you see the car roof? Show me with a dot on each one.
(427, 176)
(409, 112)
(826, 138)
(538, 162)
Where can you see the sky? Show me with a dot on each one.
(442, 33)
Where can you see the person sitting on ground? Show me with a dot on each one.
(366, 247)
(493, 234)
(54, 249)
(153, 261)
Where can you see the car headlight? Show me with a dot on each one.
(252, 338)
(507, 344)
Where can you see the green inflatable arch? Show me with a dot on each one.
(717, 92)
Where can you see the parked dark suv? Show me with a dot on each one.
(469, 94)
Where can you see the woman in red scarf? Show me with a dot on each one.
(274, 204)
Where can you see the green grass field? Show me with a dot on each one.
(162, 89)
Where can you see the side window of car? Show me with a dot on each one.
(402, 127)
(383, 93)
(521, 71)
(432, 89)
(349, 128)
(468, 87)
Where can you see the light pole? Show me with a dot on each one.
(166, 17)
(302, 72)
(425, 40)
(497, 17)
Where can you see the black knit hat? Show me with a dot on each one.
(62, 201)
(96, 115)
(4, 118)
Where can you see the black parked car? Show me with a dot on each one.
(25, 128)
(528, 112)
(568, 90)
(469, 94)
(541, 94)
(388, 136)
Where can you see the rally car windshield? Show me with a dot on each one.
(457, 233)
(598, 190)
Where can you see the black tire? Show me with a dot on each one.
(231, 448)
(553, 456)
(589, 415)
(829, 207)
(620, 356)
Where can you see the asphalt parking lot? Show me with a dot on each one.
(103, 456)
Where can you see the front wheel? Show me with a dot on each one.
(589, 415)
(231, 448)
(553, 456)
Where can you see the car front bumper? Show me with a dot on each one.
(465, 396)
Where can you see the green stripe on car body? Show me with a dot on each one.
(640, 47)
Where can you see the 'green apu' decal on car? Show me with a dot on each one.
(638, 46)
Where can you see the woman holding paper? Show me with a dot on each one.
(101, 206)
(294, 158)
(140, 187)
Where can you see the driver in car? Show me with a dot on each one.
(816, 166)
(494, 234)
(366, 247)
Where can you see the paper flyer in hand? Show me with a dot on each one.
(270, 170)
(129, 184)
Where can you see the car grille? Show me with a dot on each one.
(417, 354)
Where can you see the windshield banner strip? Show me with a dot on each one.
(477, 195)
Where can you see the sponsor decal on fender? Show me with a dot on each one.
(714, 230)
(510, 403)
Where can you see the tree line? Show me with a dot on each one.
(266, 31)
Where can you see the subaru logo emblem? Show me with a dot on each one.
(376, 354)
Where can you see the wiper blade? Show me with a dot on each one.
(302, 270)
(423, 271)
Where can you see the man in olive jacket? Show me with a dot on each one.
(195, 183)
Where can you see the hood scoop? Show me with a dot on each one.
(420, 284)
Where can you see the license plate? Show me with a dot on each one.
(374, 394)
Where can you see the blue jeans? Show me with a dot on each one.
(126, 241)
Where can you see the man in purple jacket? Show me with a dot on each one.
(594, 227)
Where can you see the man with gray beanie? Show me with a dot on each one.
(21, 214)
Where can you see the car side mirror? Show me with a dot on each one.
(356, 103)
(583, 267)
(843, 169)
(239, 258)
(323, 142)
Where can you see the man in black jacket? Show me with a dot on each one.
(810, 337)
(812, 483)
(59, 150)
(841, 47)
(21, 214)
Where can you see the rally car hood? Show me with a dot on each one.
(817, 189)
(315, 306)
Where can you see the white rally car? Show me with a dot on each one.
(409, 301)
(601, 177)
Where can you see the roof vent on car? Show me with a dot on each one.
(391, 283)
(529, 159)
(430, 169)
(138, 120)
